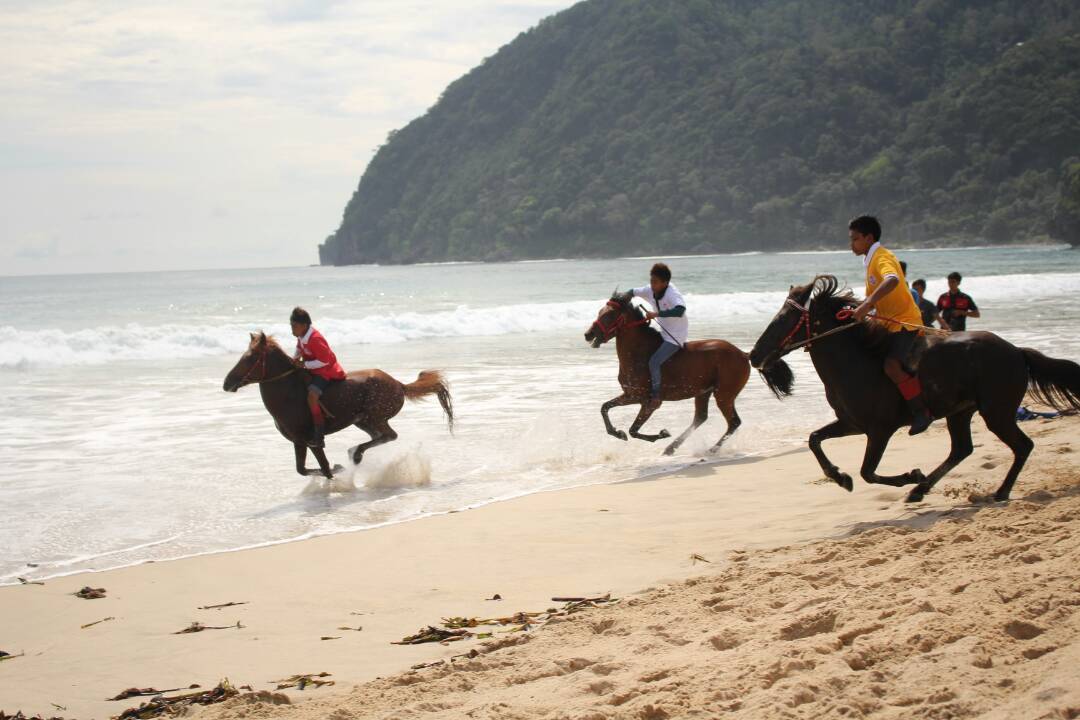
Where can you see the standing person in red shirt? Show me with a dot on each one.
(313, 354)
(956, 307)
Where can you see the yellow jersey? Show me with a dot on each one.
(899, 303)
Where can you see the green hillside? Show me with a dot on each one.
(630, 126)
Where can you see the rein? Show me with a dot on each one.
(845, 314)
(261, 363)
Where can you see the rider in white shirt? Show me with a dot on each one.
(669, 311)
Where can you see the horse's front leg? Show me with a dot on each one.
(615, 402)
(643, 417)
(839, 428)
(301, 449)
(324, 464)
(876, 442)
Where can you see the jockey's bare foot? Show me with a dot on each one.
(316, 440)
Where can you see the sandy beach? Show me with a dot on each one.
(803, 601)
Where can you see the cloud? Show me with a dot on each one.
(38, 249)
(167, 109)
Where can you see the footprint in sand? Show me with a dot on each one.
(988, 465)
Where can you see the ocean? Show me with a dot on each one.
(118, 445)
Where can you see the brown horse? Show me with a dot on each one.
(702, 368)
(366, 399)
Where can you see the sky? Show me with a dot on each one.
(188, 135)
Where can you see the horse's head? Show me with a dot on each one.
(251, 368)
(616, 314)
(797, 320)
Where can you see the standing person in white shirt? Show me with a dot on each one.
(669, 311)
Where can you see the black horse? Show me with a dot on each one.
(961, 374)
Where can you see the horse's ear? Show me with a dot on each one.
(262, 338)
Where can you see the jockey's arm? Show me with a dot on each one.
(887, 286)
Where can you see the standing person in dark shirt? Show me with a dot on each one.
(956, 307)
(928, 309)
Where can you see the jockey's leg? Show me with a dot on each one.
(662, 355)
(909, 385)
(314, 392)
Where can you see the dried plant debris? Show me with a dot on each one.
(24, 581)
(223, 605)
(9, 656)
(432, 634)
(300, 682)
(139, 692)
(89, 593)
(695, 558)
(96, 622)
(330, 637)
(178, 704)
(496, 596)
(20, 716)
(199, 627)
(458, 628)
(358, 628)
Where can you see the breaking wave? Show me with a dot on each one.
(24, 349)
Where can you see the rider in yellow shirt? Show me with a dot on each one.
(888, 296)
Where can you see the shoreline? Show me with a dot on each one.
(30, 575)
(623, 538)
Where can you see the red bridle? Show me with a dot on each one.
(620, 323)
(804, 321)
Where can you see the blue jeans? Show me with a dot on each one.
(662, 354)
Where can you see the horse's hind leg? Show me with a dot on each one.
(727, 408)
(1003, 424)
(875, 449)
(960, 432)
(701, 414)
(839, 428)
(380, 432)
(643, 417)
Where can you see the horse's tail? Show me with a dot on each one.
(779, 378)
(1053, 382)
(432, 382)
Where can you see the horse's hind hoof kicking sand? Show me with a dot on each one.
(965, 373)
(701, 369)
(366, 399)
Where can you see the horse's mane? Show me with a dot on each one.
(830, 297)
(626, 301)
(271, 342)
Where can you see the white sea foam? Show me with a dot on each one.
(25, 349)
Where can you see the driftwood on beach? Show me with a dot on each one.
(161, 705)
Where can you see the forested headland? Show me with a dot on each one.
(623, 127)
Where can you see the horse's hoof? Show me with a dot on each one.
(664, 434)
(844, 481)
(1001, 496)
(619, 434)
(670, 449)
(917, 494)
(337, 469)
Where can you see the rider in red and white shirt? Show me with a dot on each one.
(313, 354)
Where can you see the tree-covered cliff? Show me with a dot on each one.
(639, 126)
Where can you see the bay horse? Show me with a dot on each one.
(366, 399)
(963, 373)
(702, 368)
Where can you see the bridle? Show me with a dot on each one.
(261, 364)
(621, 323)
(804, 322)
